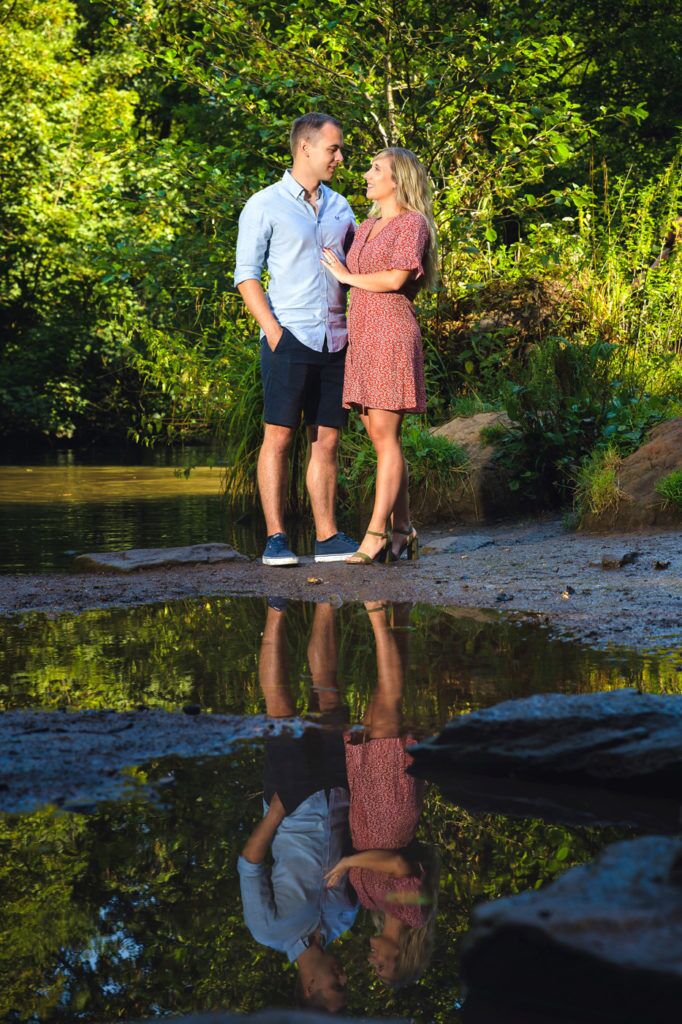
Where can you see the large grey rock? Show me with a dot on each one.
(603, 943)
(154, 558)
(73, 759)
(623, 739)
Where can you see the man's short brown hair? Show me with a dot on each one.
(307, 126)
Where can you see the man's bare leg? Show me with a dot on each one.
(321, 478)
(273, 475)
(323, 657)
(273, 670)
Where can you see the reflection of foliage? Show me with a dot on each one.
(207, 652)
(137, 906)
(43, 861)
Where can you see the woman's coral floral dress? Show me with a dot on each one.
(385, 361)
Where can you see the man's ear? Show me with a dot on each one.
(309, 988)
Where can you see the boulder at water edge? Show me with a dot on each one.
(623, 739)
(602, 944)
(155, 558)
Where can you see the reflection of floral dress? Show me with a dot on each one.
(385, 361)
(385, 804)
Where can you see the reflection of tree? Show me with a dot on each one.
(205, 651)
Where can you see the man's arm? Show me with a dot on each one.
(254, 299)
(260, 840)
(253, 243)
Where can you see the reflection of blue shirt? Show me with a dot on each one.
(278, 228)
(285, 904)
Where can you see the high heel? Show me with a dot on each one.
(409, 547)
(384, 554)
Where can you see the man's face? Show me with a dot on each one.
(330, 984)
(324, 151)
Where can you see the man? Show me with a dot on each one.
(288, 906)
(303, 328)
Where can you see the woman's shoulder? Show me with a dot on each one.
(413, 217)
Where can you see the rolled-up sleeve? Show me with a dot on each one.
(253, 241)
(257, 900)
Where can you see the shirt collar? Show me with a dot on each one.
(296, 190)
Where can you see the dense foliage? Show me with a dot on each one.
(131, 134)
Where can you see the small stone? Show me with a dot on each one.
(661, 565)
(314, 579)
(501, 597)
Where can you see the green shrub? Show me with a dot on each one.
(438, 468)
(670, 488)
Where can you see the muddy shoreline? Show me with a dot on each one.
(531, 568)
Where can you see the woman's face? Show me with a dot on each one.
(383, 956)
(379, 178)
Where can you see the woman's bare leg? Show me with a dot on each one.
(323, 658)
(383, 718)
(383, 427)
(273, 670)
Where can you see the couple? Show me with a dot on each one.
(339, 820)
(306, 235)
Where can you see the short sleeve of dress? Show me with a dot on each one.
(410, 245)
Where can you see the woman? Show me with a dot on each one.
(393, 876)
(392, 256)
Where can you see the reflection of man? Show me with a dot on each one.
(303, 328)
(287, 906)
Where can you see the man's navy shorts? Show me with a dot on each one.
(298, 379)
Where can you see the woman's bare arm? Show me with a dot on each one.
(381, 281)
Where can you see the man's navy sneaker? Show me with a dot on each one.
(335, 549)
(277, 551)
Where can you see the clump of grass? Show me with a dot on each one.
(493, 434)
(597, 491)
(469, 405)
(670, 488)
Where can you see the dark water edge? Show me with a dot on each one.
(134, 909)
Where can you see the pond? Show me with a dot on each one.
(66, 503)
(138, 908)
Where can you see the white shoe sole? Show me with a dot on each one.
(334, 558)
(280, 561)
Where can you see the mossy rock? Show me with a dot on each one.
(639, 504)
(484, 491)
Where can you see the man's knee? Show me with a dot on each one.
(324, 442)
(277, 440)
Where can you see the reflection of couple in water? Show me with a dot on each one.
(340, 817)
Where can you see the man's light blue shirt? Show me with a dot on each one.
(285, 904)
(279, 230)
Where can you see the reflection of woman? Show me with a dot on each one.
(392, 257)
(393, 876)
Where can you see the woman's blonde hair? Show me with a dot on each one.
(416, 944)
(413, 192)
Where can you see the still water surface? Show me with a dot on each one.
(138, 908)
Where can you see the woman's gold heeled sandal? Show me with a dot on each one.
(409, 547)
(383, 554)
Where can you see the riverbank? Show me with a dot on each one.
(530, 568)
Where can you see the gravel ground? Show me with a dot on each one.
(532, 567)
